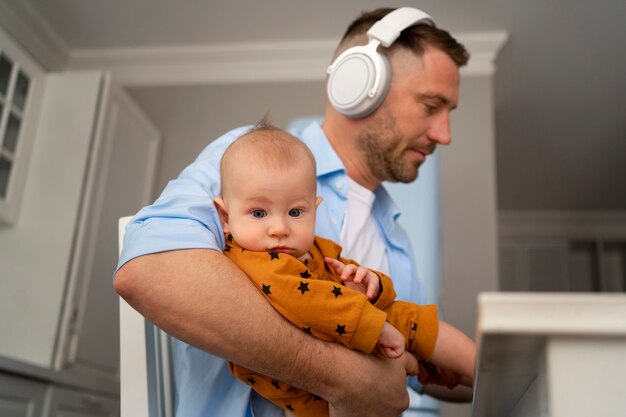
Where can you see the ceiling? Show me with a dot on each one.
(560, 85)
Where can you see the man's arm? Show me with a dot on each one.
(456, 352)
(458, 394)
(201, 297)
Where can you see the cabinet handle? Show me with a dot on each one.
(91, 401)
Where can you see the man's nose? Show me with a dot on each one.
(439, 131)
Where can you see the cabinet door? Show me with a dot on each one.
(21, 87)
(20, 397)
(35, 251)
(534, 264)
(123, 167)
(70, 403)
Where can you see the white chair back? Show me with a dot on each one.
(145, 366)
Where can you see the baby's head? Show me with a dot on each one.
(268, 192)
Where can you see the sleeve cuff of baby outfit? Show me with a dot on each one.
(426, 334)
(369, 329)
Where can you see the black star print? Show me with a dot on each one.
(414, 327)
(226, 248)
(307, 330)
(230, 238)
(275, 384)
(266, 289)
(337, 291)
(304, 287)
(289, 407)
(251, 380)
(305, 274)
(306, 262)
(273, 255)
(341, 329)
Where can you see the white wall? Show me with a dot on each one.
(468, 200)
(190, 117)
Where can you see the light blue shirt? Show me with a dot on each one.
(184, 217)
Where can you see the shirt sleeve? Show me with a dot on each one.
(184, 216)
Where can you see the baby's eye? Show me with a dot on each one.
(258, 213)
(294, 212)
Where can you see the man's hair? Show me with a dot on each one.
(415, 38)
(269, 145)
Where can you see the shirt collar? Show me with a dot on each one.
(328, 162)
(327, 159)
(385, 206)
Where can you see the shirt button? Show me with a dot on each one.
(339, 185)
(333, 220)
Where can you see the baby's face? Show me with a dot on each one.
(272, 209)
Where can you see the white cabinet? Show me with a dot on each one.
(21, 82)
(23, 397)
(20, 397)
(563, 264)
(36, 251)
(93, 162)
(119, 182)
(533, 264)
(74, 403)
(563, 251)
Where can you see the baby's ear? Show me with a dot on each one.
(221, 210)
(318, 201)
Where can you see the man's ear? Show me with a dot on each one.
(221, 210)
(318, 201)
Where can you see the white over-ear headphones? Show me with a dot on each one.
(359, 78)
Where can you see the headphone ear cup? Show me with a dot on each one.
(358, 82)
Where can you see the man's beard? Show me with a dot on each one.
(379, 146)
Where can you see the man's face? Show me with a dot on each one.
(415, 116)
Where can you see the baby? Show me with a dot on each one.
(267, 209)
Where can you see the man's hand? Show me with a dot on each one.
(384, 380)
(357, 277)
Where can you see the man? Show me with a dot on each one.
(173, 272)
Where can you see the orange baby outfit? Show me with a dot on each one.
(312, 297)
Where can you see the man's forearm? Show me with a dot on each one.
(455, 351)
(458, 394)
(201, 297)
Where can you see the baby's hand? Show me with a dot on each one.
(357, 277)
(391, 343)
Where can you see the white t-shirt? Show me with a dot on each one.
(360, 238)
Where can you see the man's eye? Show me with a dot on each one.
(295, 212)
(258, 213)
(430, 109)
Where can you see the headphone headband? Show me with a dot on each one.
(387, 29)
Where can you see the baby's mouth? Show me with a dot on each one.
(281, 249)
